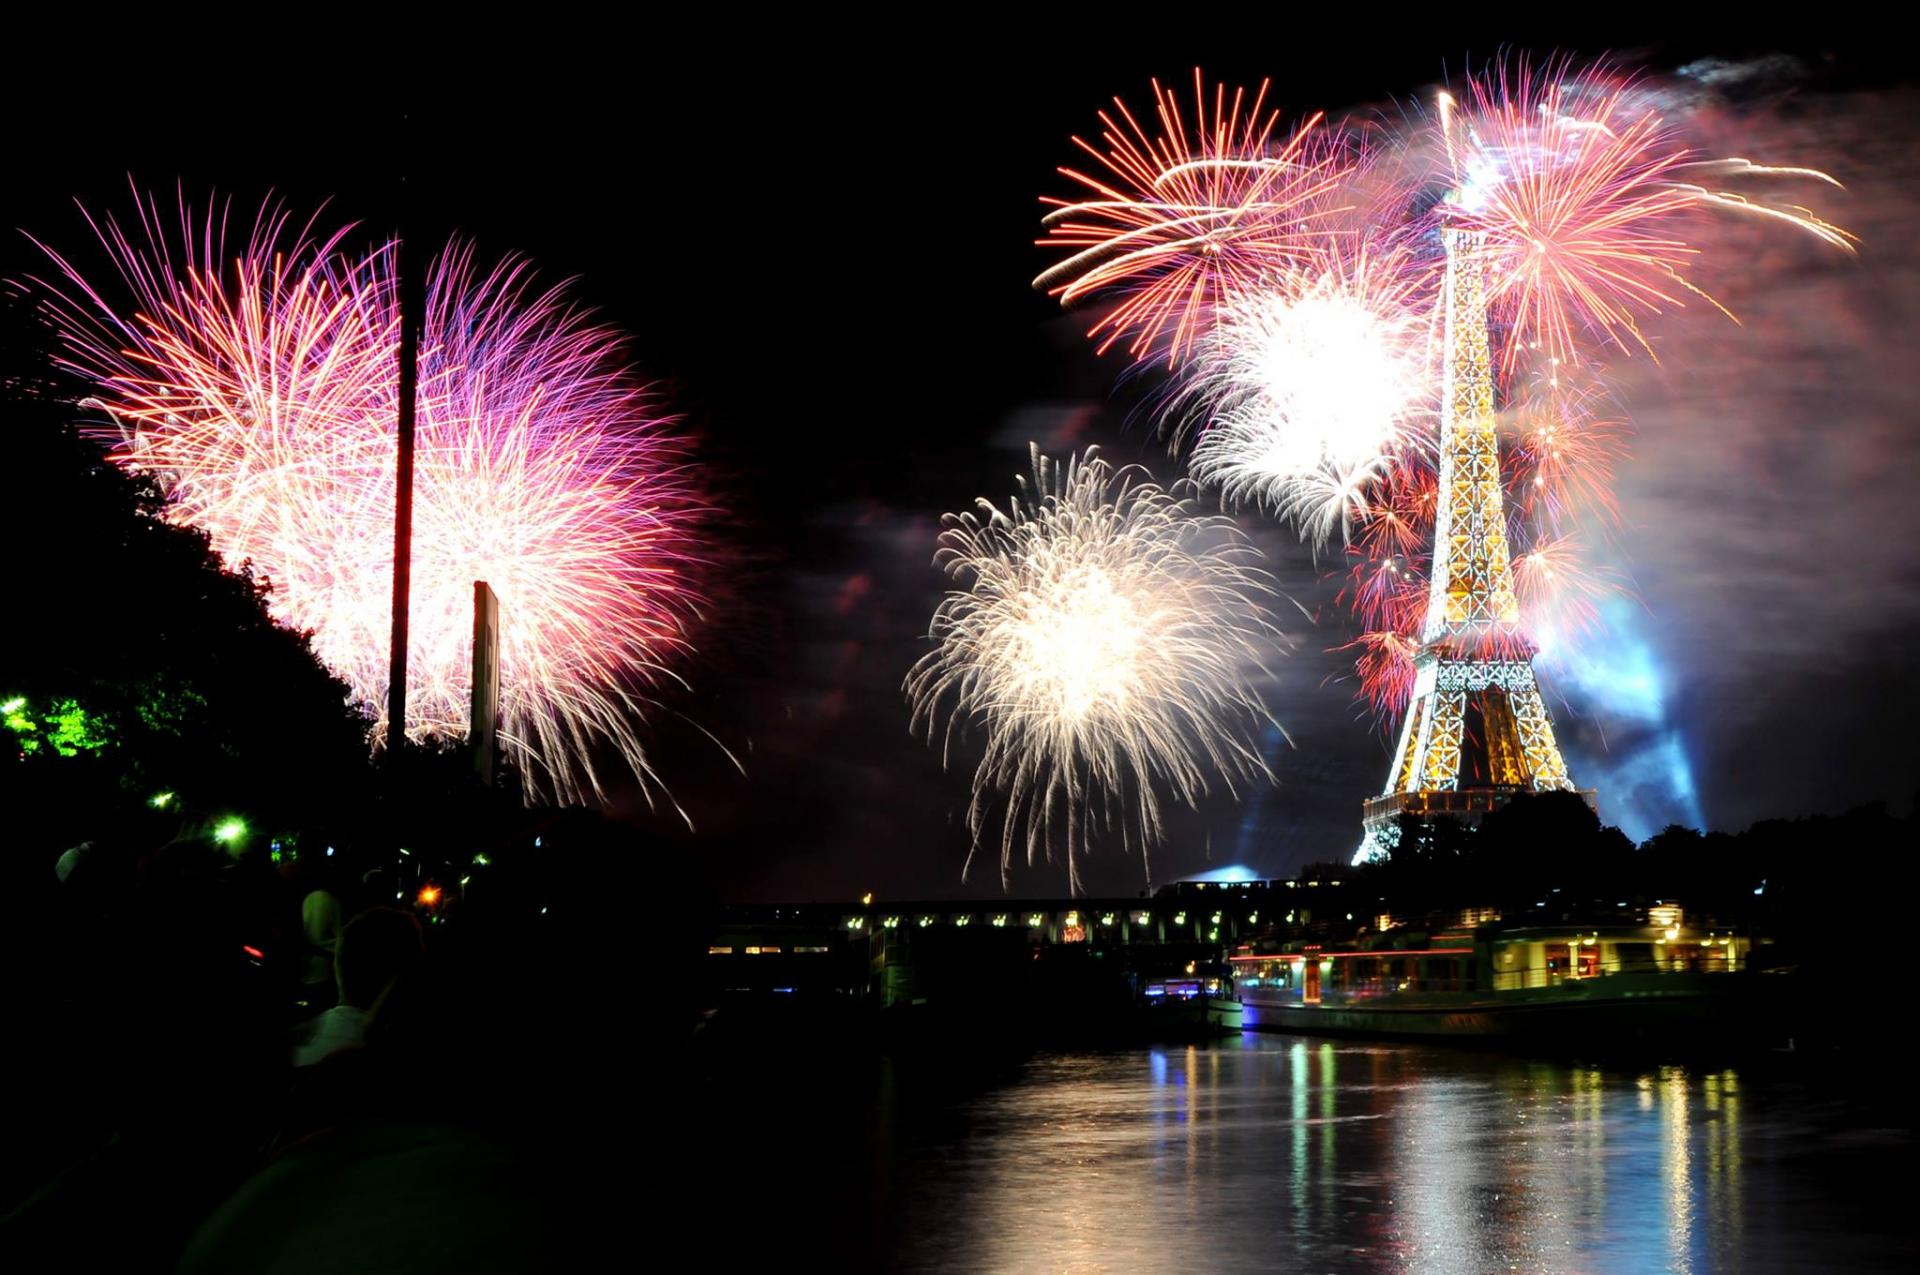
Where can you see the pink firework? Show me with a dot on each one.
(1384, 665)
(1559, 592)
(1563, 448)
(1173, 221)
(259, 386)
(1583, 193)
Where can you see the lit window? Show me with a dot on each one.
(763, 951)
(812, 949)
(719, 951)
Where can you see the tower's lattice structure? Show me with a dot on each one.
(1477, 730)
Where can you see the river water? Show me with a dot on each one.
(1276, 1153)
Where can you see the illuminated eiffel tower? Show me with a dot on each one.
(1477, 730)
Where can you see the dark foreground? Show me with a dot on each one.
(1292, 1153)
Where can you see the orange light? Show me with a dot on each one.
(429, 895)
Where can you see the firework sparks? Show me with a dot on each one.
(1563, 450)
(1178, 221)
(1106, 641)
(1581, 191)
(1315, 388)
(1559, 592)
(261, 392)
(1290, 283)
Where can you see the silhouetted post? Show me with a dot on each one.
(483, 715)
(407, 264)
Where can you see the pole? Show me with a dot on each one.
(483, 712)
(407, 265)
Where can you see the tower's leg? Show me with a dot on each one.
(1440, 771)
(1406, 761)
(1545, 766)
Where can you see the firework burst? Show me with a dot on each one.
(1107, 643)
(1314, 389)
(261, 391)
(1563, 449)
(1581, 191)
(1174, 222)
(1560, 592)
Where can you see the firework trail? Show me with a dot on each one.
(260, 389)
(1173, 223)
(1106, 642)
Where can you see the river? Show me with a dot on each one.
(1276, 1153)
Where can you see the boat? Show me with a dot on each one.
(1194, 1000)
(1606, 984)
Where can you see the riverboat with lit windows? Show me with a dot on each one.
(1600, 983)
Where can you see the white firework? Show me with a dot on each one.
(1109, 644)
(1308, 391)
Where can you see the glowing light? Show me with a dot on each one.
(1106, 641)
(161, 800)
(257, 384)
(230, 830)
(428, 896)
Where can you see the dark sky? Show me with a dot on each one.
(823, 244)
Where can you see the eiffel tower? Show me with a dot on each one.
(1477, 731)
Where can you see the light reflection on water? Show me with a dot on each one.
(1277, 1153)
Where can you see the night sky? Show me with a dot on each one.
(822, 250)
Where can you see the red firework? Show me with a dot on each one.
(1180, 218)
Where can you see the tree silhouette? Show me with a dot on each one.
(133, 661)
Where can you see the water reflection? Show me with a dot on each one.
(1272, 1152)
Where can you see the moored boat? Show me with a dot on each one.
(1606, 984)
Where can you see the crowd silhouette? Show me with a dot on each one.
(232, 1064)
